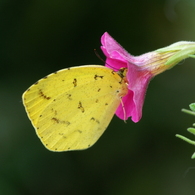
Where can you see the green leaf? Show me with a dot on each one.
(192, 107)
(185, 139)
(192, 56)
(188, 111)
(191, 130)
(193, 156)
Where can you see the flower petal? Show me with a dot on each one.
(116, 55)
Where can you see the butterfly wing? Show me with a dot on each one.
(71, 108)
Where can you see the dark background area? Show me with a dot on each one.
(38, 37)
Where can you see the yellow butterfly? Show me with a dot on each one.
(71, 108)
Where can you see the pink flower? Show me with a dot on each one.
(140, 70)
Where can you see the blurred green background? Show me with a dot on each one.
(38, 37)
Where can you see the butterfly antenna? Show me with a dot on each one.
(97, 54)
(125, 116)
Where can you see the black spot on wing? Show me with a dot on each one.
(54, 111)
(113, 72)
(81, 107)
(95, 120)
(55, 120)
(92, 118)
(44, 96)
(69, 96)
(96, 77)
(74, 82)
